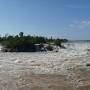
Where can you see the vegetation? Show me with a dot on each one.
(49, 48)
(22, 43)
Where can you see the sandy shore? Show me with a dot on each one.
(44, 71)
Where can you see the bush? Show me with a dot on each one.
(22, 43)
(49, 48)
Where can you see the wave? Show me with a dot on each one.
(77, 48)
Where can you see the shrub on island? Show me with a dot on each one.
(22, 43)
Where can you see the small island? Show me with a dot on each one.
(28, 43)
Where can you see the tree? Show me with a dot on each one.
(58, 42)
(21, 34)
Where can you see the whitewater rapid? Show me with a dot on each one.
(14, 65)
(45, 61)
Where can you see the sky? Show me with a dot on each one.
(57, 18)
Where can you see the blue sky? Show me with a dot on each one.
(58, 18)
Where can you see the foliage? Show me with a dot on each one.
(49, 48)
(58, 42)
(27, 43)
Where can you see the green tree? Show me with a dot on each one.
(21, 34)
(58, 42)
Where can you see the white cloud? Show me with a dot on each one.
(79, 25)
(71, 25)
(84, 24)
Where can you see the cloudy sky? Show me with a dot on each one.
(58, 18)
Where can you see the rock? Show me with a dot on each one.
(4, 50)
(88, 64)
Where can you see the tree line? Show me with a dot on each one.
(21, 42)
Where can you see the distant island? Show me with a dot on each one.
(28, 43)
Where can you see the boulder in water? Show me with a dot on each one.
(88, 64)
